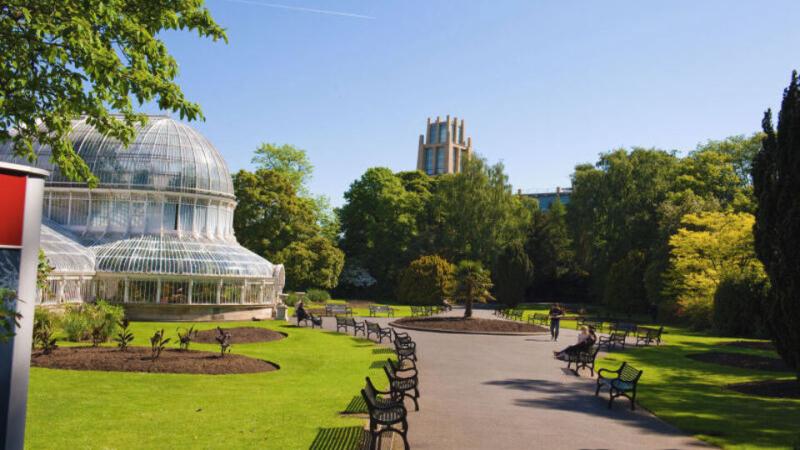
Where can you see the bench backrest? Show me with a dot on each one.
(622, 326)
(372, 326)
(379, 308)
(340, 321)
(350, 321)
(337, 309)
(370, 395)
(629, 374)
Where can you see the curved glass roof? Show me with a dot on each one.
(65, 253)
(166, 155)
(170, 255)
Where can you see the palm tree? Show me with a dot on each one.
(472, 285)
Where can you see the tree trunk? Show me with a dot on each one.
(468, 309)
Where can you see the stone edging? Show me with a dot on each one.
(486, 333)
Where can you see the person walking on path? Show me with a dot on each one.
(555, 321)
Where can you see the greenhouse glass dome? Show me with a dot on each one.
(156, 234)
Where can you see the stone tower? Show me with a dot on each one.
(444, 147)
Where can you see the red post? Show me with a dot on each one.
(21, 193)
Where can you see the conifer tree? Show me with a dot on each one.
(776, 179)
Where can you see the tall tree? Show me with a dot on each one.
(472, 284)
(708, 248)
(276, 223)
(379, 225)
(474, 214)
(549, 248)
(776, 178)
(613, 208)
(67, 58)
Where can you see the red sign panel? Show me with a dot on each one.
(12, 209)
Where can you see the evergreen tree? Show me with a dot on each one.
(776, 179)
(513, 274)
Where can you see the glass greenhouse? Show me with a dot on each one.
(157, 230)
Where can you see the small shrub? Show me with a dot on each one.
(157, 344)
(44, 325)
(738, 305)
(224, 340)
(428, 280)
(186, 337)
(317, 295)
(103, 319)
(293, 298)
(125, 336)
(75, 324)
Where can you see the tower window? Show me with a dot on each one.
(429, 161)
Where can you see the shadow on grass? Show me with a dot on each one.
(357, 405)
(341, 438)
(383, 351)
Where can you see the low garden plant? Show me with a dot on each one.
(157, 344)
(185, 336)
(44, 330)
(124, 336)
(224, 340)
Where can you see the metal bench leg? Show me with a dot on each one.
(404, 435)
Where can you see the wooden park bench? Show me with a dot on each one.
(349, 322)
(333, 309)
(380, 333)
(420, 311)
(374, 310)
(583, 360)
(405, 349)
(622, 383)
(403, 381)
(314, 320)
(630, 328)
(539, 319)
(596, 325)
(647, 336)
(515, 314)
(385, 414)
(613, 339)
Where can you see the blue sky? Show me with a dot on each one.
(542, 85)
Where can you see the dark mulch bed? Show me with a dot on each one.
(473, 325)
(776, 389)
(137, 359)
(741, 360)
(751, 345)
(240, 335)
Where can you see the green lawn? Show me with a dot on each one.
(320, 374)
(692, 396)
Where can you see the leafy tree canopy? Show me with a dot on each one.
(66, 58)
(706, 249)
(288, 160)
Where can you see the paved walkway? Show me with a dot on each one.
(507, 392)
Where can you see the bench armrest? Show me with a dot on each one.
(600, 372)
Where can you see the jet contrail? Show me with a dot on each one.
(301, 9)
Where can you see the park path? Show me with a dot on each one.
(507, 392)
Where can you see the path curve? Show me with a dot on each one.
(507, 392)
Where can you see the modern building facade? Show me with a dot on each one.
(444, 147)
(156, 234)
(547, 198)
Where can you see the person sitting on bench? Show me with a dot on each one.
(300, 312)
(586, 340)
